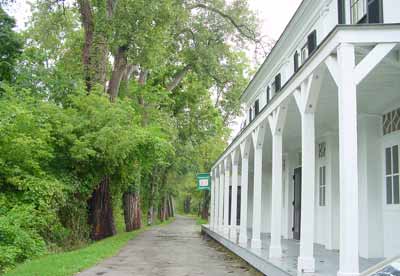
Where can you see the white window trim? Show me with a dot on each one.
(388, 140)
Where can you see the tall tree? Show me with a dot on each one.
(10, 46)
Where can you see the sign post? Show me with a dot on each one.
(203, 181)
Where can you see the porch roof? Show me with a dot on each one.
(366, 34)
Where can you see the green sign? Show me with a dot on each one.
(203, 181)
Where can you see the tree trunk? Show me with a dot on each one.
(206, 203)
(171, 206)
(186, 207)
(120, 63)
(152, 209)
(85, 10)
(178, 78)
(132, 211)
(100, 215)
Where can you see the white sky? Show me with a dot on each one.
(274, 14)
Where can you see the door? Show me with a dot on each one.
(297, 204)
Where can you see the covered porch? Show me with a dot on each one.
(326, 261)
(318, 168)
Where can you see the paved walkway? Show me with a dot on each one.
(176, 249)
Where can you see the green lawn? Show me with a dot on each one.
(69, 263)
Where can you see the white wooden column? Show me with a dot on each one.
(221, 197)
(347, 76)
(348, 167)
(226, 194)
(244, 152)
(258, 140)
(306, 99)
(216, 198)
(276, 123)
(212, 200)
(235, 175)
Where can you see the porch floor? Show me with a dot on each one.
(326, 261)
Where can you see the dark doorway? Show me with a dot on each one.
(230, 205)
(239, 190)
(239, 198)
(297, 204)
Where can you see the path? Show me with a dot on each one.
(176, 249)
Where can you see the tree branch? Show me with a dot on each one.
(241, 28)
(178, 78)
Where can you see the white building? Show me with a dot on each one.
(317, 164)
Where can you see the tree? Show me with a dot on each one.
(10, 46)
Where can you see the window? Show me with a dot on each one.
(341, 12)
(312, 42)
(278, 83)
(296, 61)
(391, 121)
(358, 11)
(392, 175)
(321, 150)
(322, 186)
(374, 11)
(304, 54)
(268, 94)
(250, 114)
(256, 107)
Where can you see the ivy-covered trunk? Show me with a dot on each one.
(100, 216)
(132, 211)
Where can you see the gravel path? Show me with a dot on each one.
(176, 249)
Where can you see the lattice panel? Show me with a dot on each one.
(391, 121)
(321, 150)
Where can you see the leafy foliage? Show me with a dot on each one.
(174, 80)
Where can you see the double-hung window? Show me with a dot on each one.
(322, 186)
(358, 11)
(392, 175)
(256, 108)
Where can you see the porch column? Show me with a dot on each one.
(258, 140)
(216, 198)
(275, 250)
(235, 172)
(306, 262)
(244, 150)
(348, 167)
(226, 195)
(276, 123)
(221, 197)
(212, 201)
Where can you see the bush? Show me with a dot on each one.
(17, 243)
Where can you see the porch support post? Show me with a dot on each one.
(348, 166)
(235, 175)
(221, 197)
(306, 262)
(216, 198)
(306, 99)
(244, 150)
(212, 202)
(226, 194)
(258, 140)
(276, 123)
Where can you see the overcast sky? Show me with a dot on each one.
(274, 14)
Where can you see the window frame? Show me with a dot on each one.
(361, 18)
(388, 140)
(392, 175)
(322, 186)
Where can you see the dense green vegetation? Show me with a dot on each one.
(69, 263)
(109, 108)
